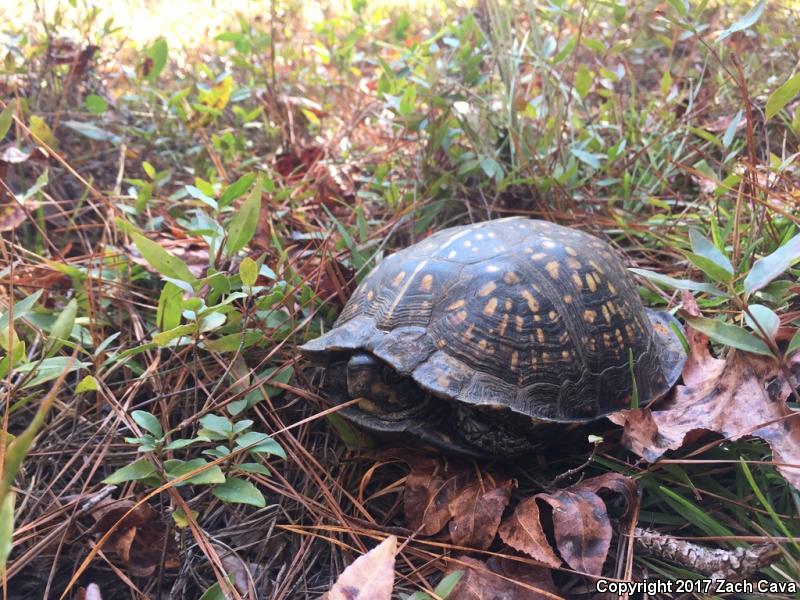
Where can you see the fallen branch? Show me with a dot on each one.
(717, 563)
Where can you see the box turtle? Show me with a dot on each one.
(481, 337)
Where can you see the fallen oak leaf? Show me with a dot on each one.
(732, 401)
(370, 577)
(523, 531)
(729, 397)
(429, 488)
(615, 483)
(501, 580)
(582, 528)
(476, 512)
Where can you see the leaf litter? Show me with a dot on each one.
(734, 397)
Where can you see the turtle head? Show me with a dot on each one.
(381, 388)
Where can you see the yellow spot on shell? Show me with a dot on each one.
(479, 236)
(538, 256)
(591, 282)
(492, 269)
(611, 288)
(607, 340)
(545, 356)
(501, 328)
(534, 359)
(468, 332)
(456, 304)
(576, 279)
(460, 317)
(443, 381)
(491, 234)
(540, 335)
(441, 343)
(532, 303)
(452, 254)
(589, 316)
(487, 289)
(467, 243)
(370, 295)
(483, 344)
(519, 322)
(508, 304)
(606, 314)
(552, 268)
(398, 279)
(568, 299)
(511, 278)
(571, 251)
(549, 244)
(566, 355)
(573, 263)
(514, 360)
(490, 307)
(427, 283)
(618, 335)
(553, 315)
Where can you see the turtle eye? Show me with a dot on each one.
(390, 376)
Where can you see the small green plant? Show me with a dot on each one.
(238, 440)
(746, 290)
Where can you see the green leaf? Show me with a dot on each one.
(448, 584)
(182, 443)
(157, 53)
(730, 131)
(242, 226)
(234, 341)
(764, 316)
(248, 271)
(92, 131)
(148, 422)
(781, 96)
(141, 469)
(768, 268)
(730, 335)
(165, 337)
(678, 284)
(62, 328)
(95, 104)
(6, 118)
(21, 308)
(710, 268)
(161, 260)
(590, 158)
(260, 443)
(214, 593)
(176, 468)
(706, 249)
(48, 369)
(6, 525)
(239, 491)
(747, 20)
(41, 131)
(236, 189)
(408, 101)
(583, 81)
(217, 424)
(168, 312)
(182, 521)
(253, 468)
(794, 344)
(666, 82)
(87, 384)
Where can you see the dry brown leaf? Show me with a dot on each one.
(523, 531)
(615, 483)
(582, 528)
(476, 512)
(140, 539)
(370, 577)
(429, 488)
(501, 580)
(729, 397)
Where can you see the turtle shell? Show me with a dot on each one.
(517, 313)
